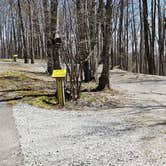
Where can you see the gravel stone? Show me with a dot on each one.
(132, 135)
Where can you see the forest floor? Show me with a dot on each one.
(124, 126)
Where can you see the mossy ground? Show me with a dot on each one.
(5, 60)
(33, 87)
(43, 102)
(14, 84)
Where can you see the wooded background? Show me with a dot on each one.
(128, 34)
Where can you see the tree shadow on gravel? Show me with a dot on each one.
(151, 81)
(158, 124)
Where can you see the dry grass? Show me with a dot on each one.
(17, 81)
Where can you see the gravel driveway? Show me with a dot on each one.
(131, 135)
(10, 151)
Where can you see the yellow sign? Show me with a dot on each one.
(59, 73)
(15, 55)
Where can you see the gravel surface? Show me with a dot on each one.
(10, 151)
(132, 135)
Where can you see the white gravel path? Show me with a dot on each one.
(133, 135)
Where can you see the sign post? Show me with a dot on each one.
(60, 78)
(15, 58)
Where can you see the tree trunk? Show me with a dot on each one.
(52, 45)
(31, 33)
(82, 38)
(21, 24)
(104, 78)
(120, 30)
(161, 31)
(151, 65)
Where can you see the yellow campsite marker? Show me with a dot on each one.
(59, 73)
(15, 57)
(60, 77)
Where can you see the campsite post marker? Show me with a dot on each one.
(60, 78)
(15, 58)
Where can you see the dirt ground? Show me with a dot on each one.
(131, 133)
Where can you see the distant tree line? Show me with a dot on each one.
(82, 34)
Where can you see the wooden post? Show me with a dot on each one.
(60, 91)
(60, 77)
(15, 58)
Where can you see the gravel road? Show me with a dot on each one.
(10, 151)
(130, 135)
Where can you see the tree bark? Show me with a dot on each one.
(31, 33)
(52, 45)
(161, 32)
(104, 78)
(151, 65)
(23, 33)
(82, 38)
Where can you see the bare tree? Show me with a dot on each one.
(52, 45)
(21, 24)
(151, 65)
(107, 31)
